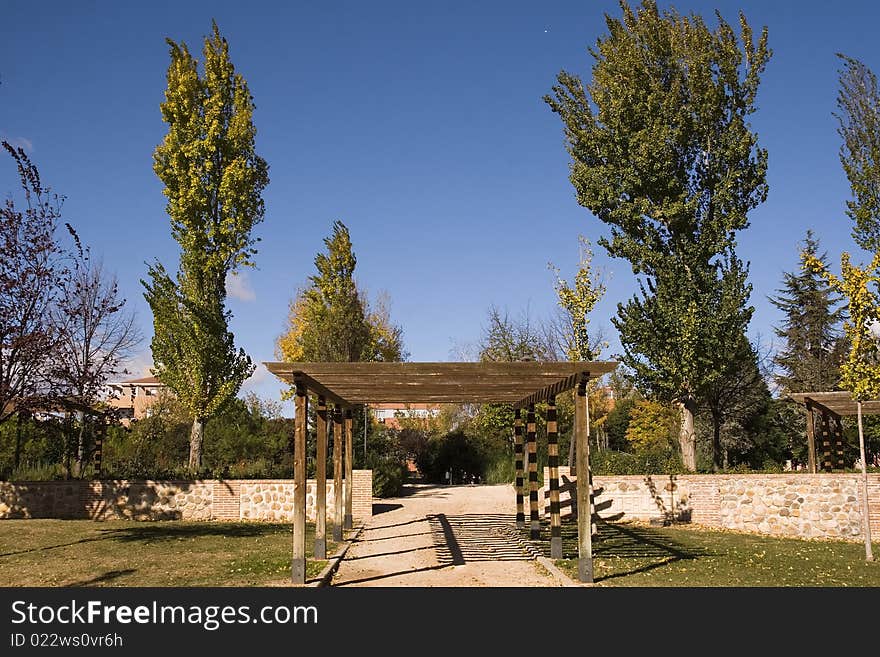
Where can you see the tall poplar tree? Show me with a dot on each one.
(859, 126)
(859, 122)
(663, 153)
(213, 181)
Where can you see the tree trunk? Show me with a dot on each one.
(196, 438)
(716, 444)
(68, 448)
(17, 457)
(80, 445)
(572, 464)
(687, 439)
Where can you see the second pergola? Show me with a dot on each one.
(824, 412)
(522, 384)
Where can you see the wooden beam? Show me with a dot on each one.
(349, 456)
(338, 505)
(553, 463)
(441, 369)
(584, 487)
(321, 481)
(532, 442)
(839, 402)
(317, 388)
(811, 438)
(298, 566)
(821, 407)
(518, 456)
(355, 383)
(552, 390)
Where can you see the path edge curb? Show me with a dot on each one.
(564, 579)
(327, 574)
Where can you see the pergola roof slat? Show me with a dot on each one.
(837, 402)
(520, 383)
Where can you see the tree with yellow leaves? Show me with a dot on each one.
(859, 125)
(331, 320)
(860, 373)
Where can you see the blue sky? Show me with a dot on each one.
(421, 126)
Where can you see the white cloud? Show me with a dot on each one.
(26, 144)
(260, 376)
(19, 142)
(238, 286)
(139, 365)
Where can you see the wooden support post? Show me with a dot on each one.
(838, 443)
(826, 443)
(338, 506)
(532, 441)
(866, 508)
(298, 566)
(811, 439)
(100, 433)
(321, 481)
(518, 456)
(553, 463)
(349, 457)
(584, 488)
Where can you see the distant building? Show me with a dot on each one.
(607, 393)
(132, 399)
(391, 414)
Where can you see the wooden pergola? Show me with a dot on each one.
(522, 384)
(829, 407)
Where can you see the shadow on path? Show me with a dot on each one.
(469, 537)
(373, 578)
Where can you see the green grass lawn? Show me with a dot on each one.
(628, 554)
(167, 553)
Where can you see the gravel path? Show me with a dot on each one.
(443, 536)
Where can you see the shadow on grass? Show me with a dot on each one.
(109, 576)
(162, 531)
(624, 541)
(167, 531)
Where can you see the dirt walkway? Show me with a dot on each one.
(443, 536)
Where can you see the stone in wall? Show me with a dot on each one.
(793, 505)
(803, 506)
(173, 500)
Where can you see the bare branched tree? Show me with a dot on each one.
(30, 273)
(97, 333)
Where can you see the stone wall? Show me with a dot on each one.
(796, 505)
(262, 499)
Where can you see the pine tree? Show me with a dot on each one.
(813, 344)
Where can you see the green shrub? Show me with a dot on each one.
(500, 468)
(611, 462)
(389, 475)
